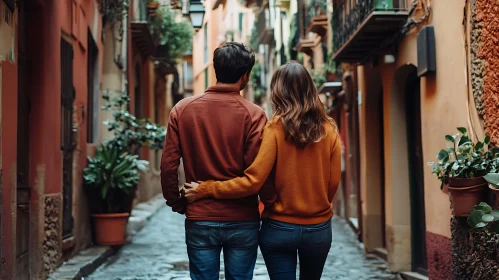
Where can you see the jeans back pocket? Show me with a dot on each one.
(275, 234)
(320, 235)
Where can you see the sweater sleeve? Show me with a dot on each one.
(335, 168)
(254, 176)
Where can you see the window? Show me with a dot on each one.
(9, 4)
(205, 43)
(206, 78)
(187, 75)
(240, 22)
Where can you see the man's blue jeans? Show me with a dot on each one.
(280, 244)
(205, 240)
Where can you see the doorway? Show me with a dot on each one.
(23, 187)
(416, 173)
(67, 137)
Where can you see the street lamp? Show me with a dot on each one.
(196, 13)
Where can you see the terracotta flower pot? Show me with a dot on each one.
(465, 194)
(466, 182)
(110, 228)
(495, 196)
(330, 77)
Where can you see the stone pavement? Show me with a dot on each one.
(158, 252)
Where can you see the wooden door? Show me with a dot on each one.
(416, 174)
(23, 187)
(67, 140)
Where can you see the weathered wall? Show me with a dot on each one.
(8, 143)
(52, 242)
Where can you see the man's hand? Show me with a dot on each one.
(191, 193)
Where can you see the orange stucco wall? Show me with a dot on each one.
(443, 101)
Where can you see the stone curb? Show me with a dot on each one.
(141, 213)
(82, 264)
(87, 261)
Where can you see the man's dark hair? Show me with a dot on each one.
(231, 61)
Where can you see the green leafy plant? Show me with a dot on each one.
(294, 37)
(114, 10)
(171, 30)
(463, 158)
(316, 8)
(318, 77)
(130, 133)
(254, 37)
(255, 79)
(113, 173)
(483, 216)
(330, 65)
(112, 176)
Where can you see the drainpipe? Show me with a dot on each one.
(127, 54)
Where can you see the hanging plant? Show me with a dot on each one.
(171, 31)
(114, 10)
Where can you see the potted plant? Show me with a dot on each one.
(112, 175)
(483, 216)
(318, 77)
(330, 68)
(172, 31)
(493, 178)
(461, 168)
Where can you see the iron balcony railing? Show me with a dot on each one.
(349, 15)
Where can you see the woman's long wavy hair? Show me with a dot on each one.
(296, 104)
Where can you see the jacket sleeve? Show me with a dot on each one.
(170, 161)
(335, 168)
(254, 176)
(254, 138)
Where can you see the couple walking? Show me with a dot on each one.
(234, 157)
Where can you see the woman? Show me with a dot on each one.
(301, 151)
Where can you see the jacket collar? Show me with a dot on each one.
(222, 89)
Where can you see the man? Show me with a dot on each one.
(217, 134)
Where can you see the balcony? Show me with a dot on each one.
(307, 45)
(317, 17)
(141, 35)
(363, 29)
(265, 28)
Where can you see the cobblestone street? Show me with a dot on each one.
(158, 252)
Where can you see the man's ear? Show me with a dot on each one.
(247, 76)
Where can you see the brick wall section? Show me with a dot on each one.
(487, 12)
(475, 254)
(439, 257)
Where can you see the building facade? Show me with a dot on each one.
(224, 21)
(46, 120)
(57, 59)
(406, 73)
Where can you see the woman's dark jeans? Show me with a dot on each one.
(280, 242)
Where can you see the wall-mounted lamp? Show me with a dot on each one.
(196, 13)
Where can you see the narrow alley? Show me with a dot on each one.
(158, 252)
